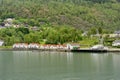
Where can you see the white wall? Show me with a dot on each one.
(1, 43)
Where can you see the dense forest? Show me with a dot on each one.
(52, 17)
(82, 14)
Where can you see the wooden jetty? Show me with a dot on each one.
(89, 50)
(96, 50)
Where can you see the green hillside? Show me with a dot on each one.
(82, 14)
(58, 21)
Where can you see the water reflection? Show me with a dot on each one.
(100, 61)
(116, 62)
(35, 65)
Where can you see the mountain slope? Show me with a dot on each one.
(76, 13)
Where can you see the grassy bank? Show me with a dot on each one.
(88, 42)
(5, 47)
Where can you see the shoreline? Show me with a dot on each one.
(11, 49)
(64, 50)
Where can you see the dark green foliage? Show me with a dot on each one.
(23, 30)
(63, 34)
(100, 30)
(91, 15)
(82, 14)
(49, 35)
(108, 41)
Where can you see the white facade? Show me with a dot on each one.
(20, 45)
(16, 46)
(1, 43)
(73, 46)
(61, 46)
(53, 47)
(41, 47)
(8, 25)
(34, 45)
(44, 47)
(116, 43)
(9, 20)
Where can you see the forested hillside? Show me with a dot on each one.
(57, 21)
(82, 14)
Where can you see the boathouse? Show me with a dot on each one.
(62, 46)
(33, 46)
(53, 47)
(45, 46)
(20, 46)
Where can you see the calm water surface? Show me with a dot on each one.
(33, 65)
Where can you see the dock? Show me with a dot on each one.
(90, 50)
(96, 50)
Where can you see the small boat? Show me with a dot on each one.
(99, 47)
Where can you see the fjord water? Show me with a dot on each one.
(34, 65)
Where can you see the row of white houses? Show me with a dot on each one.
(45, 46)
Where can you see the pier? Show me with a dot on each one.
(96, 50)
(89, 50)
